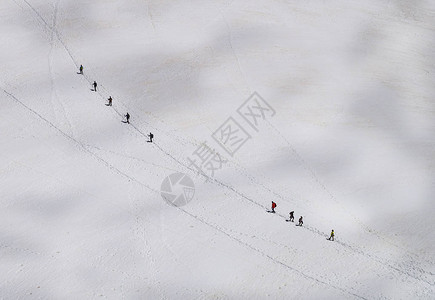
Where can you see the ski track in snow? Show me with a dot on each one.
(236, 57)
(119, 172)
(309, 228)
(150, 15)
(75, 141)
(132, 158)
(140, 225)
(139, 219)
(364, 226)
(52, 257)
(242, 170)
(275, 260)
(52, 42)
(314, 176)
(55, 99)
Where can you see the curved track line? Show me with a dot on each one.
(75, 141)
(107, 164)
(275, 260)
(364, 226)
(312, 229)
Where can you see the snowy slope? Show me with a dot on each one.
(351, 148)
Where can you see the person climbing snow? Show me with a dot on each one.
(110, 101)
(127, 118)
(331, 238)
(301, 221)
(273, 207)
(292, 217)
(95, 86)
(151, 137)
(81, 69)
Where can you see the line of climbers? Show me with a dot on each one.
(151, 136)
(109, 103)
(301, 220)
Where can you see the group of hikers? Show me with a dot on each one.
(109, 103)
(151, 136)
(301, 220)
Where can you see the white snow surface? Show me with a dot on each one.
(350, 148)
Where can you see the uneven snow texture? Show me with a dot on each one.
(351, 148)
